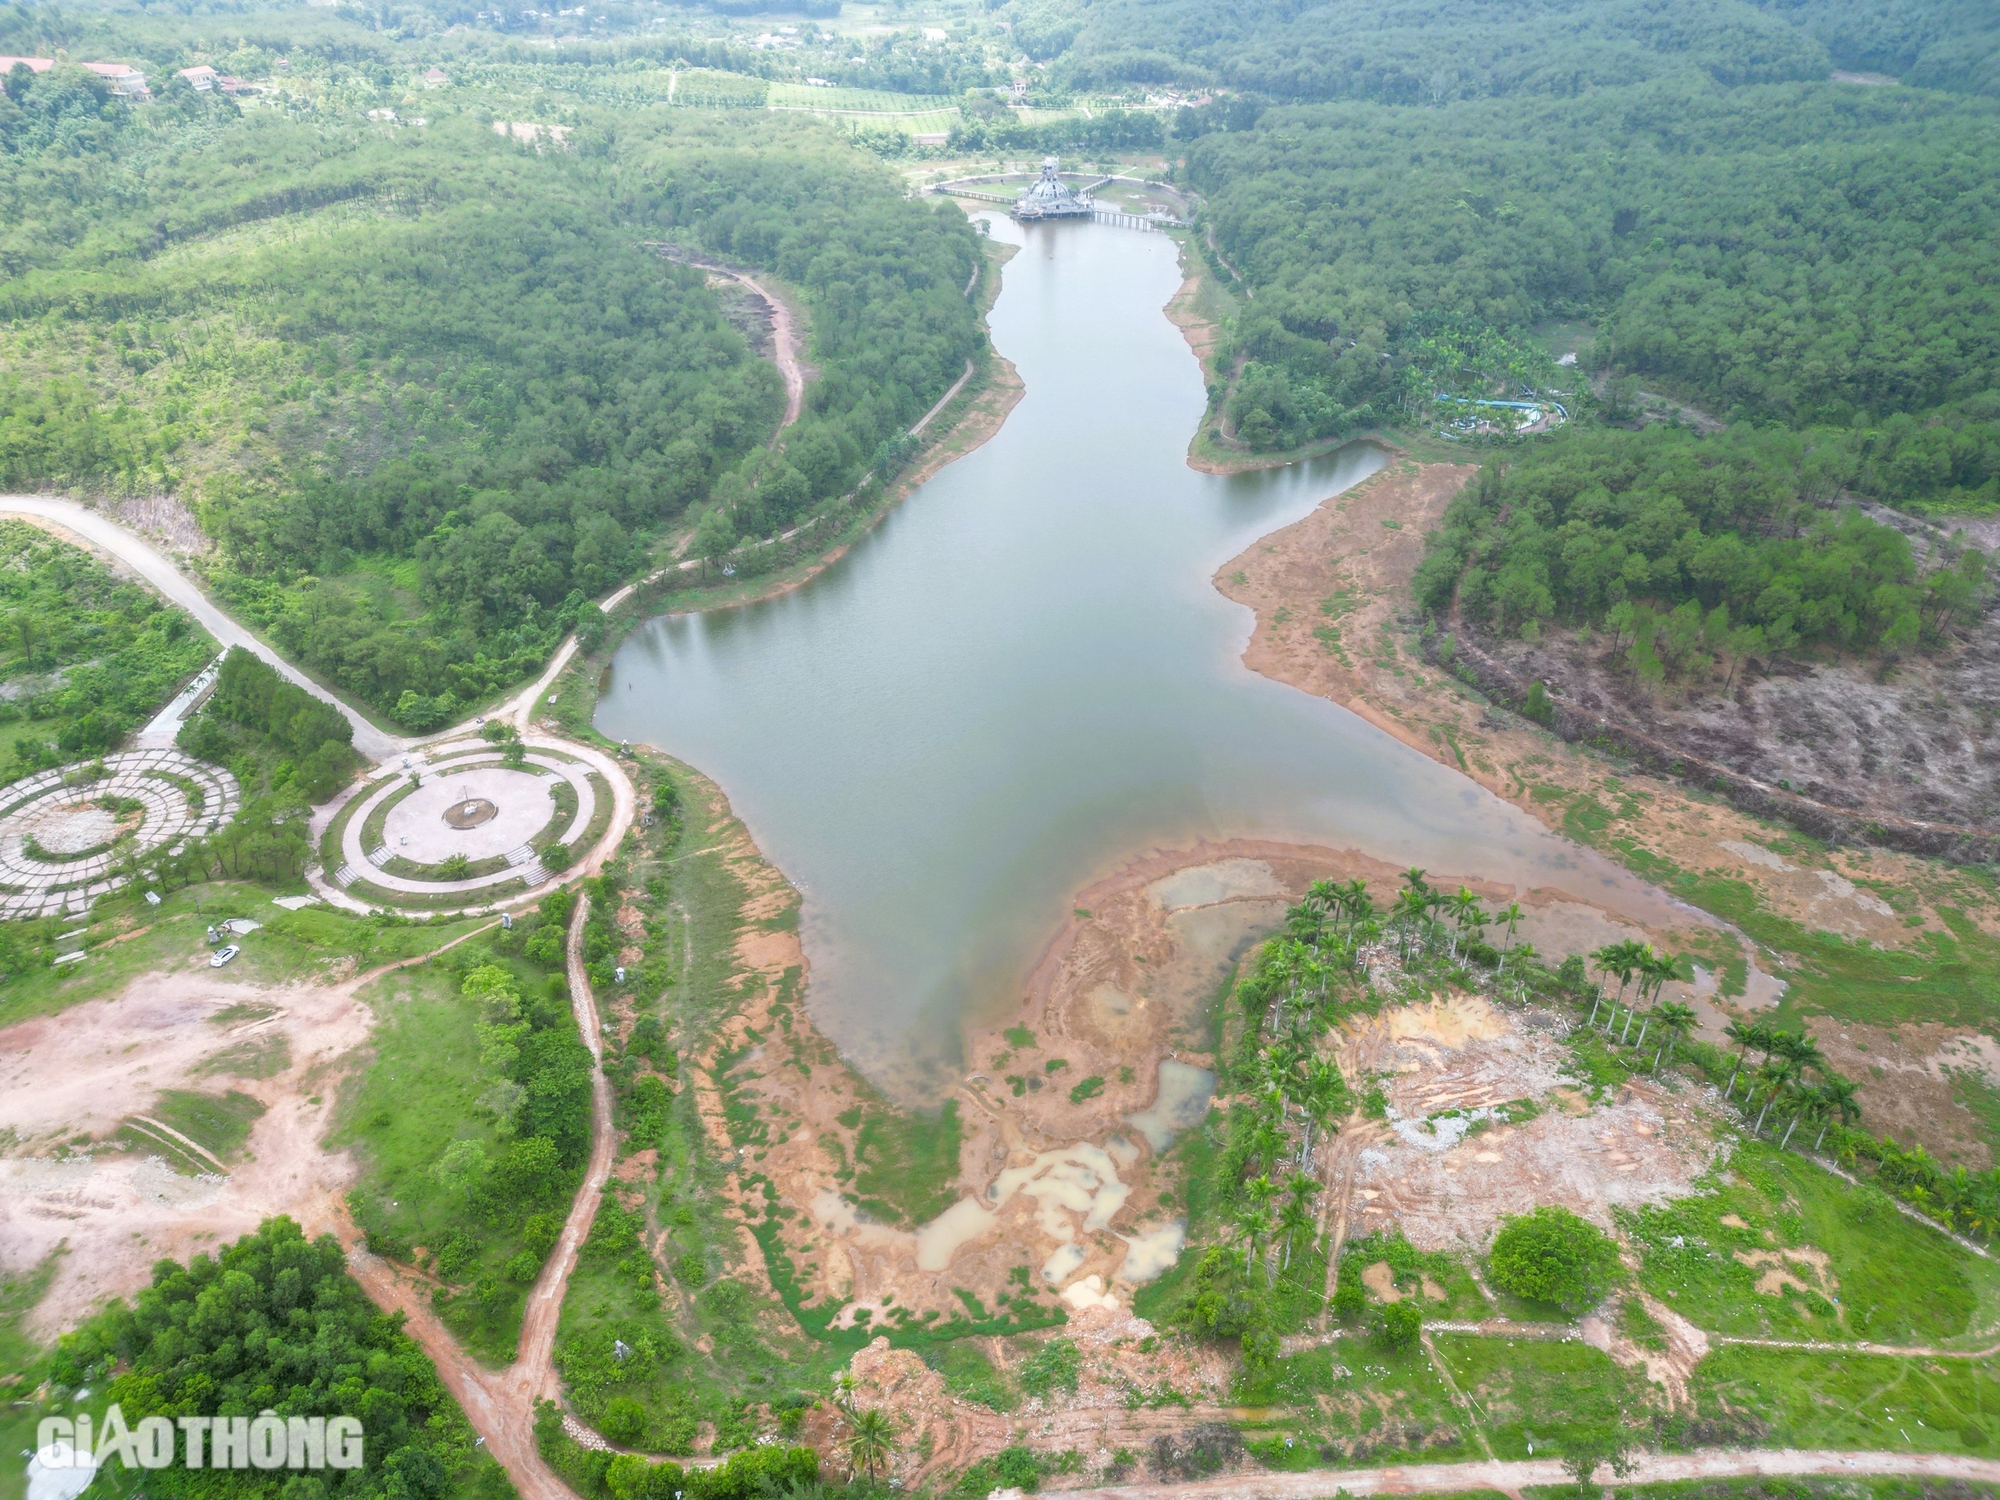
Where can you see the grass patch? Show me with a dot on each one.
(906, 1165)
(1855, 1401)
(219, 1123)
(1859, 1268)
(470, 1132)
(969, 1374)
(263, 1056)
(1538, 1391)
(1355, 1402)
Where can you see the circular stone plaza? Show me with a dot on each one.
(70, 835)
(456, 827)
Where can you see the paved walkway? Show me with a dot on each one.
(76, 846)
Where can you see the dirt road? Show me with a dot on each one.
(784, 334)
(1512, 1477)
(142, 558)
(500, 1404)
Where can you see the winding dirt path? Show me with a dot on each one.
(1511, 1477)
(784, 331)
(106, 535)
(500, 1404)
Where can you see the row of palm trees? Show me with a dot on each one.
(1791, 1084)
(1779, 1080)
(1627, 962)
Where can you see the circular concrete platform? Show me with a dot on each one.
(432, 823)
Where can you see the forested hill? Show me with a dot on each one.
(427, 385)
(1805, 254)
(1434, 51)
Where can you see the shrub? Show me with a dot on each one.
(1550, 1255)
(1399, 1325)
(1350, 1301)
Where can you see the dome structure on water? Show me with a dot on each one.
(1050, 198)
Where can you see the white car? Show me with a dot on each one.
(222, 956)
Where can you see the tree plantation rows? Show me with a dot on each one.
(1692, 554)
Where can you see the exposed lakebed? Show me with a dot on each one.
(1024, 678)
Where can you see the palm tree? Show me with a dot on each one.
(1616, 958)
(1297, 1212)
(1266, 1141)
(1638, 958)
(1842, 1097)
(1357, 903)
(1524, 957)
(1465, 915)
(1511, 916)
(1806, 1100)
(1747, 1035)
(1798, 1048)
(1323, 1090)
(870, 1440)
(1679, 1019)
(1778, 1074)
(843, 1392)
(1254, 1224)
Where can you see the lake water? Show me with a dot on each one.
(1023, 678)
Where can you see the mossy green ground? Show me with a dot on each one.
(1887, 1278)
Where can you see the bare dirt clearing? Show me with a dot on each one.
(1451, 1160)
(68, 1082)
(1913, 1078)
(1920, 743)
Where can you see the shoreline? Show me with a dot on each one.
(1204, 335)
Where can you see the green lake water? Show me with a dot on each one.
(1023, 678)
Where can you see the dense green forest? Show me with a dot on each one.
(430, 388)
(1433, 51)
(1798, 254)
(85, 656)
(1730, 536)
(273, 1321)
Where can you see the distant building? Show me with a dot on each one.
(126, 82)
(436, 79)
(931, 137)
(1050, 198)
(202, 79)
(935, 34)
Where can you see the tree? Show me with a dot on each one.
(1399, 1324)
(1586, 1450)
(1551, 1255)
(1749, 1036)
(1843, 1102)
(870, 1440)
(714, 538)
(1679, 1019)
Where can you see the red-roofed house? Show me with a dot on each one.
(127, 82)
